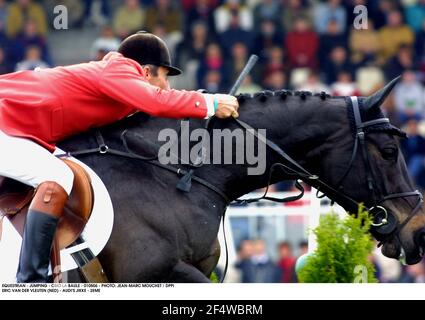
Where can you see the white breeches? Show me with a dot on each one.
(27, 162)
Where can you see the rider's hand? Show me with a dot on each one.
(227, 106)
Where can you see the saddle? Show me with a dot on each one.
(16, 197)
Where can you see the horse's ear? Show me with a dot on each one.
(376, 99)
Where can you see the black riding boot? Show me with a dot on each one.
(36, 247)
(43, 217)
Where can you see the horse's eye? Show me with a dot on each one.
(390, 153)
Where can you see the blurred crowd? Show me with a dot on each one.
(255, 264)
(302, 44)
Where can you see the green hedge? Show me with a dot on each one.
(342, 255)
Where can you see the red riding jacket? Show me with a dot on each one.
(50, 105)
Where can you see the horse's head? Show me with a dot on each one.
(368, 166)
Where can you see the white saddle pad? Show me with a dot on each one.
(95, 235)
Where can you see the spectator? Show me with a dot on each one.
(165, 13)
(202, 10)
(30, 36)
(235, 33)
(390, 268)
(268, 36)
(273, 62)
(401, 62)
(302, 45)
(223, 16)
(338, 62)
(345, 85)
(414, 150)
(190, 4)
(4, 65)
(22, 10)
(99, 54)
(98, 17)
(192, 48)
(380, 10)
(106, 43)
(333, 37)
(413, 273)
(248, 86)
(259, 268)
(245, 252)
(3, 14)
(213, 60)
(389, 109)
(302, 248)
(286, 263)
(394, 35)
(268, 10)
(275, 80)
(129, 18)
(8, 46)
(415, 15)
(292, 11)
(239, 57)
(32, 60)
(213, 82)
(171, 39)
(332, 10)
(364, 45)
(191, 51)
(420, 42)
(313, 84)
(409, 97)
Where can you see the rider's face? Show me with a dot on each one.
(160, 79)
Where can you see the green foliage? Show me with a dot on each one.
(342, 253)
(214, 278)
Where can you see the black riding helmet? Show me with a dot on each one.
(147, 48)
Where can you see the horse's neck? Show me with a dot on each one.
(299, 127)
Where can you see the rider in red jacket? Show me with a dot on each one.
(39, 108)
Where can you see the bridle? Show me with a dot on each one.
(384, 224)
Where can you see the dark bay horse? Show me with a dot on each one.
(164, 234)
